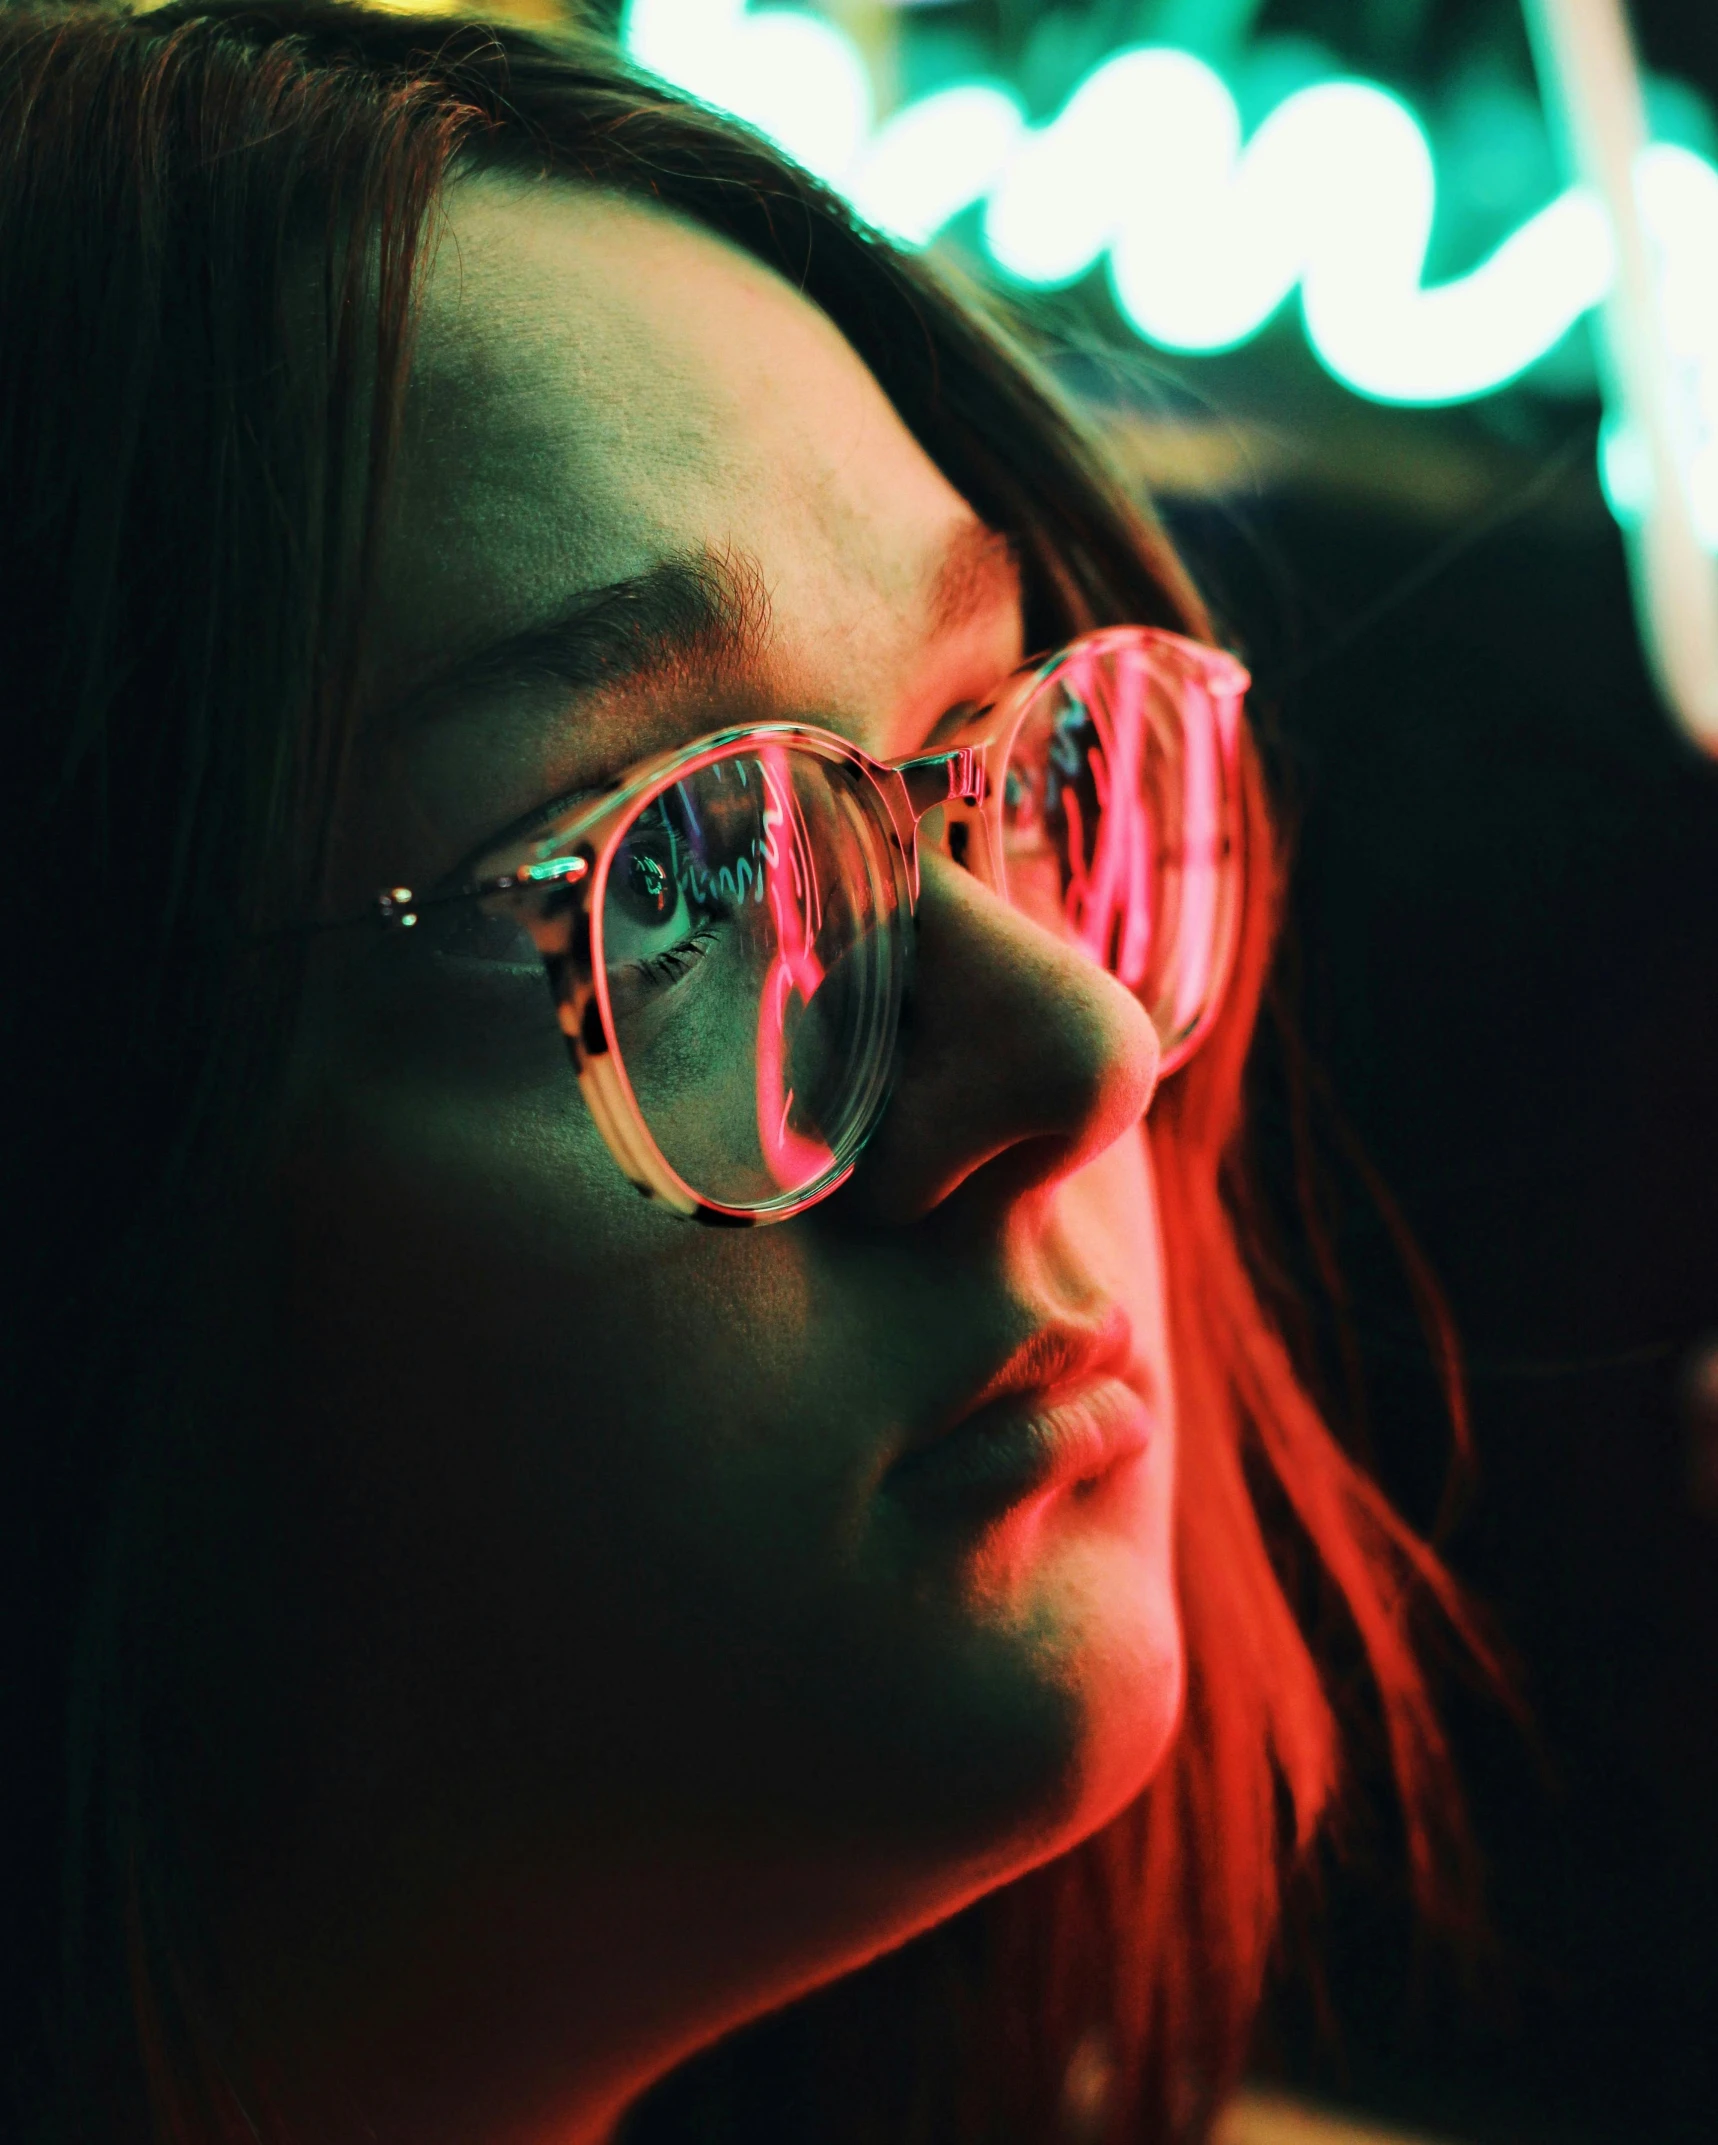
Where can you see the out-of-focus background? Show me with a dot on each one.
(1503, 954)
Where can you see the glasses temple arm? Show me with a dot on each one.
(399, 907)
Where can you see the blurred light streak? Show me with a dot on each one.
(1333, 197)
(1657, 458)
(1679, 206)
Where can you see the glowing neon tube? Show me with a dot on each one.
(1207, 236)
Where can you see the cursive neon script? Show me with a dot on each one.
(1206, 235)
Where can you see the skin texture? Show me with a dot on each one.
(591, 1682)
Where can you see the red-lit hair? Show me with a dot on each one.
(187, 526)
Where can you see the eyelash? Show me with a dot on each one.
(663, 969)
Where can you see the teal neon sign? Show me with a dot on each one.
(1207, 231)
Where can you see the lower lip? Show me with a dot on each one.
(1027, 1448)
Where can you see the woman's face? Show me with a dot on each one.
(633, 1665)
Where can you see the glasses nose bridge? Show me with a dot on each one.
(954, 777)
(960, 776)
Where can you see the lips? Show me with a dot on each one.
(1059, 1413)
(1051, 1358)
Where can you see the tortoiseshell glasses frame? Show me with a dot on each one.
(729, 931)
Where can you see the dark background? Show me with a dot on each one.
(1504, 943)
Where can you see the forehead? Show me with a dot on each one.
(598, 384)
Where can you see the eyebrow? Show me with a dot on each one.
(699, 612)
(979, 572)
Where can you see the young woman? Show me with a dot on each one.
(493, 1657)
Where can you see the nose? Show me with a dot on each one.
(1019, 1057)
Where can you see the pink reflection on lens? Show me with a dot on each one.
(791, 889)
(1108, 898)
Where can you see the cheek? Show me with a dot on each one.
(493, 1339)
(588, 1493)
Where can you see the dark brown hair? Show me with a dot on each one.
(211, 225)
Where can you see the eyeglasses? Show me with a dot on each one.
(729, 932)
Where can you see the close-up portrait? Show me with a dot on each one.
(751, 1394)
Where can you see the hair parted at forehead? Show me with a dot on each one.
(213, 225)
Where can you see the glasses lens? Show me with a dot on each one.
(752, 944)
(1118, 820)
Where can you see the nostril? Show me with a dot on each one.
(958, 836)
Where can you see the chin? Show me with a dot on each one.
(1053, 1700)
(1113, 1643)
(1087, 1581)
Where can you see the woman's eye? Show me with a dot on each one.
(658, 920)
(644, 886)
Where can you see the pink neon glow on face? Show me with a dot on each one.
(791, 890)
